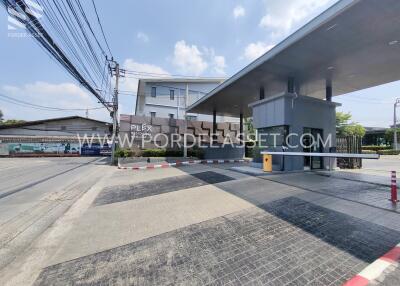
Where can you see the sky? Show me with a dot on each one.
(186, 37)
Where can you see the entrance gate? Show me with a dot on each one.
(349, 144)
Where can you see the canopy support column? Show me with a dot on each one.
(214, 131)
(291, 87)
(241, 128)
(329, 92)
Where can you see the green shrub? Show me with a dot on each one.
(257, 157)
(154, 153)
(196, 152)
(123, 153)
(368, 152)
(173, 153)
(389, 152)
(376, 148)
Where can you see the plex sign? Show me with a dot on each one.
(141, 130)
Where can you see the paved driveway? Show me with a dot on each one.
(209, 225)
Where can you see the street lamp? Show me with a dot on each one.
(396, 104)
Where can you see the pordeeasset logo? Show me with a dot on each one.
(261, 140)
(21, 19)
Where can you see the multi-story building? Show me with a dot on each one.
(169, 97)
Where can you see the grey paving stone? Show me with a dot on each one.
(289, 241)
(156, 187)
(368, 193)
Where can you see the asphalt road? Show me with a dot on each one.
(35, 192)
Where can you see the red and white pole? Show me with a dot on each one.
(394, 188)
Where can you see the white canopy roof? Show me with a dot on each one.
(355, 44)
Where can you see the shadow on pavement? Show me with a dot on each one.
(282, 239)
(122, 193)
(360, 238)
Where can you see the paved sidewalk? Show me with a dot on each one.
(350, 187)
(211, 225)
(285, 242)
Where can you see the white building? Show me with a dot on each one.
(169, 97)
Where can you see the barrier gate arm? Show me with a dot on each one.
(328, 155)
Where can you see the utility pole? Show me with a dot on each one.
(396, 104)
(115, 114)
(178, 103)
(184, 135)
(115, 70)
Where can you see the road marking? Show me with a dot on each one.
(375, 269)
(182, 163)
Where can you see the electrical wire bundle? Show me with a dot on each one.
(65, 30)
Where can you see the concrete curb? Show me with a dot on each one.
(182, 163)
(376, 269)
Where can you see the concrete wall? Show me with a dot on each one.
(169, 127)
(297, 113)
(225, 152)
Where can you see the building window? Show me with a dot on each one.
(153, 91)
(94, 128)
(171, 116)
(273, 136)
(152, 114)
(63, 127)
(172, 94)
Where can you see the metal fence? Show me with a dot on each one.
(349, 144)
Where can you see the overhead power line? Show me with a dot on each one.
(167, 75)
(22, 103)
(67, 33)
(101, 27)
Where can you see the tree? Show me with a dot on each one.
(248, 122)
(344, 126)
(250, 131)
(389, 135)
(11, 121)
(342, 119)
(353, 130)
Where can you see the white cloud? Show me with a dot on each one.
(145, 70)
(216, 63)
(188, 59)
(131, 84)
(238, 12)
(71, 96)
(143, 37)
(282, 16)
(62, 95)
(219, 65)
(130, 64)
(255, 50)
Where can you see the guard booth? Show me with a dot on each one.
(298, 124)
(353, 45)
